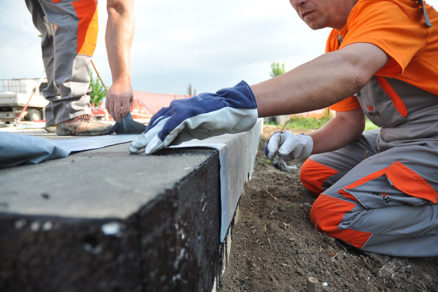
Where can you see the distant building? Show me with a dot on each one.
(147, 104)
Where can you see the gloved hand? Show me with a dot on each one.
(289, 146)
(230, 110)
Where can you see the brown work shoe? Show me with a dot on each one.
(50, 129)
(83, 125)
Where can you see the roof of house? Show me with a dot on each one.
(146, 104)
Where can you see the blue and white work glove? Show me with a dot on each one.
(230, 110)
(288, 146)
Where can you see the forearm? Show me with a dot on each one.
(320, 82)
(339, 131)
(118, 38)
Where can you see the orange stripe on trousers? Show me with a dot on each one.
(410, 182)
(88, 26)
(404, 179)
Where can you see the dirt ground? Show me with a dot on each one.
(276, 248)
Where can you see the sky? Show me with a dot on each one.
(208, 44)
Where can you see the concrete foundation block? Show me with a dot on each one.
(133, 226)
(106, 220)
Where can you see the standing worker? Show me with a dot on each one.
(376, 190)
(69, 33)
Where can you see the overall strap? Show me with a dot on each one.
(426, 17)
(396, 99)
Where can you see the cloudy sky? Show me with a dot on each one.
(210, 44)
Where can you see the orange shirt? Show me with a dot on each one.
(397, 27)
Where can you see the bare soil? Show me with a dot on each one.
(276, 248)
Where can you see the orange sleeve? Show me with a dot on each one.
(345, 105)
(396, 27)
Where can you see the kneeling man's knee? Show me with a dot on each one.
(313, 174)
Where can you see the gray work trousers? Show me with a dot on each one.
(69, 33)
(380, 192)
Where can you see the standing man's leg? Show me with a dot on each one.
(76, 27)
(47, 30)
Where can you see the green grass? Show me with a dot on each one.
(313, 123)
(369, 125)
(302, 123)
(307, 123)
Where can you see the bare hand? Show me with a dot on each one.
(118, 101)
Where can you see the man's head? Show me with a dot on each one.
(323, 13)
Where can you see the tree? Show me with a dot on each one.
(277, 69)
(98, 91)
(190, 90)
